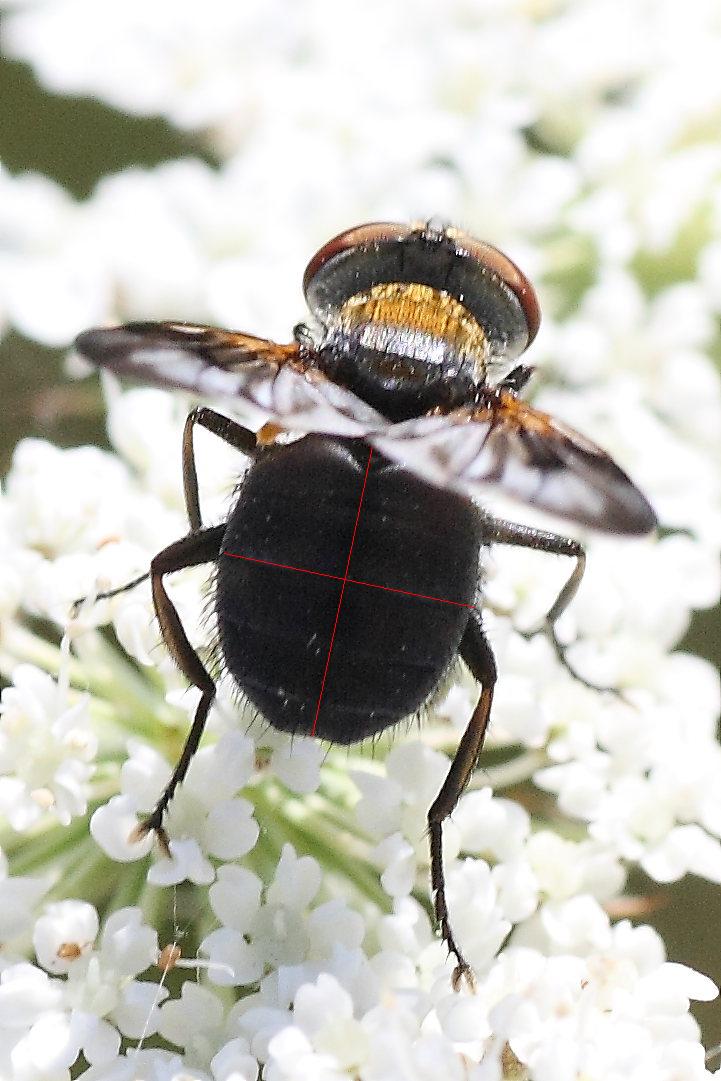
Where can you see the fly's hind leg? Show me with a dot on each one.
(193, 550)
(499, 531)
(476, 652)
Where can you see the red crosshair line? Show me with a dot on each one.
(342, 591)
(344, 579)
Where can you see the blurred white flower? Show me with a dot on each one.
(19, 897)
(47, 751)
(598, 1016)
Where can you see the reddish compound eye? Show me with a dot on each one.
(498, 263)
(488, 284)
(361, 237)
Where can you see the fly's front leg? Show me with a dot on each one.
(108, 594)
(226, 429)
(191, 551)
(478, 655)
(499, 531)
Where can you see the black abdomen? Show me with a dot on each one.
(337, 652)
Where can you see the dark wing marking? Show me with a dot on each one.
(527, 455)
(279, 380)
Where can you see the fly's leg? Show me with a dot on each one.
(107, 594)
(200, 546)
(226, 429)
(499, 531)
(476, 652)
(193, 550)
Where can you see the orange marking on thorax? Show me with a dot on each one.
(417, 307)
(268, 433)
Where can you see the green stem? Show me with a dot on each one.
(29, 853)
(80, 871)
(310, 833)
(104, 672)
(515, 772)
(131, 888)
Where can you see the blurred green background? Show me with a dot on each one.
(77, 141)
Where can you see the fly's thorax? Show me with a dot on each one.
(409, 342)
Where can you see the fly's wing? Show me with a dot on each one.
(527, 455)
(280, 380)
(501, 442)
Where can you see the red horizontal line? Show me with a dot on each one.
(354, 581)
(285, 566)
(407, 593)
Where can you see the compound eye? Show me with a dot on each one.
(319, 276)
(499, 264)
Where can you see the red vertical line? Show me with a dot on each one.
(342, 591)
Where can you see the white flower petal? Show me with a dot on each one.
(112, 826)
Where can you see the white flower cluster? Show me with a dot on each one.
(46, 748)
(331, 1009)
(580, 136)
